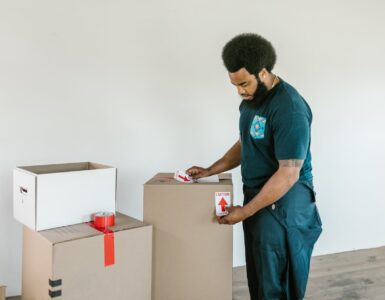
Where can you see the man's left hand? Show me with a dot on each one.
(236, 214)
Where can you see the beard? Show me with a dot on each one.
(259, 96)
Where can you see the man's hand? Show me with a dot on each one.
(198, 172)
(236, 214)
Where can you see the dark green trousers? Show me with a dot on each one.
(279, 242)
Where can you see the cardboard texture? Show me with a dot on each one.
(192, 254)
(68, 263)
(2, 292)
(51, 196)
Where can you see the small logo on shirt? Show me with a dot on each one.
(257, 129)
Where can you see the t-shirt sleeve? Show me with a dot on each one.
(291, 133)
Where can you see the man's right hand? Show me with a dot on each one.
(198, 172)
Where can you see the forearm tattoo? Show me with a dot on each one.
(291, 163)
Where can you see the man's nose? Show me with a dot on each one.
(241, 90)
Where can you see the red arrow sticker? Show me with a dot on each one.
(182, 177)
(222, 204)
(222, 200)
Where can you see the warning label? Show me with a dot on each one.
(222, 200)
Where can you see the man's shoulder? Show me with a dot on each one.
(289, 100)
(287, 94)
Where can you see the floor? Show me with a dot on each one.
(349, 275)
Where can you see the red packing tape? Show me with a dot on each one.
(109, 248)
(101, 221)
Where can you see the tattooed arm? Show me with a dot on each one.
(275, 188)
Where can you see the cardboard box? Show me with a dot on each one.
(2, 292)
(50, 196)
(68, 263)
(193, 254)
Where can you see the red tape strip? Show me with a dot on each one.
(109, 238)
(109, 249)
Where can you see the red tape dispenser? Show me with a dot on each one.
(101, 222)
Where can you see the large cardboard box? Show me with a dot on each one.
(68, 263)
(50, 196)
(2, 292)
(192, 256)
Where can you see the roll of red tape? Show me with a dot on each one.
(103, 220)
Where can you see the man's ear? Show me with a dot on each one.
(262, 74)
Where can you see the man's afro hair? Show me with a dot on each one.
(250, 51)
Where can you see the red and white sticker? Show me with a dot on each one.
(222, 200)
(183, 177)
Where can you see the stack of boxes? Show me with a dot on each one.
(188, 257)
(63, 255)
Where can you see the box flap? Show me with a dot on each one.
(84, 230)
(168, 179)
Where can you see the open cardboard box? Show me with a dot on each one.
(50, 196)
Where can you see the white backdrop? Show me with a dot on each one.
(140, 85)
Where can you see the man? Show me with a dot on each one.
(280, 220)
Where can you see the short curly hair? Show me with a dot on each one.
(250, 51)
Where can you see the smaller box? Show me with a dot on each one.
(50, 196)
(2, 292)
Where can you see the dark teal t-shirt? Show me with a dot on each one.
(277, 129)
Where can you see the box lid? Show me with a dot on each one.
(168, 179)
(84, 230)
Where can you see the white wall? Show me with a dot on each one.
(140, 85)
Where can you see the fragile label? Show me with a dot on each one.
(222, 200)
